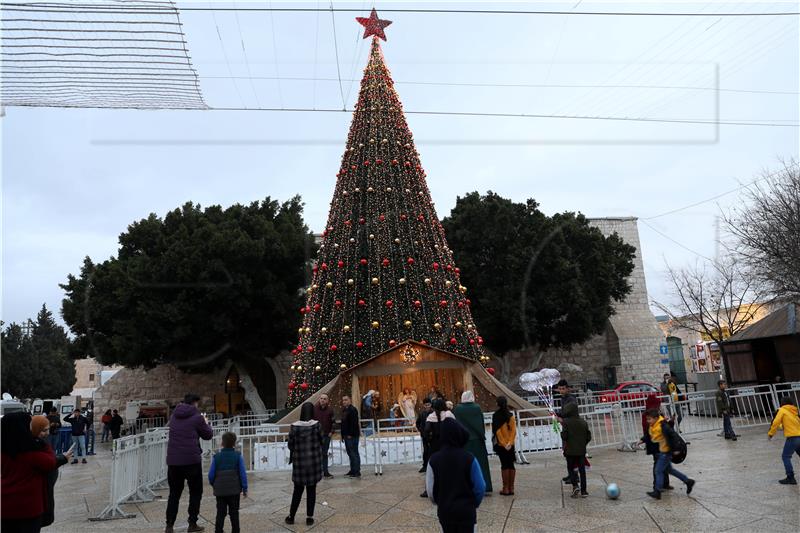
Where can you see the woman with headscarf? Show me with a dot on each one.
(504, 433)
(471, 417)
(652, 402)
(40, 428)
(305, 448)
(454, 480)
(431, 433)
(26, 463)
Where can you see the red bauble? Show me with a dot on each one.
(417, 304)
(423, 342)
(302, 310)
(366, 163)
(435, 265)
(338, 304)
(449, 268)
(480, 341)
(359, 344)
(385, 262)
(395, 161)
(407, 163)
(453, 341)
(362, 221)
(403, 217)
(340, 264)
(410, 261)
(490, 370)
(347, 223)
(310, 349)
(460, 305)
(317, 307)
(458, 270)
(362, 303)
(421, 218)
(324, 266)
(392, 343)
(381, 218)
(363, 262)
(314, 269)
(443, 303)
(304, 385)
(389, 304)
(292, 385)
(472, 342)
(469, 302)
(334, 347)
(379, 161)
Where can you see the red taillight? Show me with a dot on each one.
(603, 399)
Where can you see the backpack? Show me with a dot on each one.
(677, 445)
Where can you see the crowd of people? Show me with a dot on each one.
(455, 456)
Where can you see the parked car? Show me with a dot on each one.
(630, 393)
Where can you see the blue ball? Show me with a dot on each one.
(612, 491)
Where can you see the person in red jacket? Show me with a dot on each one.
(26, 463)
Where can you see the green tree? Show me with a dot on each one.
(36, 364)
(196, 288)
(536, 281)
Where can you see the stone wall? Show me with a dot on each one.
(87, 373)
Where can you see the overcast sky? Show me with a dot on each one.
(72, 180)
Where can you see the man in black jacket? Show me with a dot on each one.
(351, 431)
(115, 425)
(421, 417)
(79, 424)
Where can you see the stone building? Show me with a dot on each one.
(88, 376)
(628, 349)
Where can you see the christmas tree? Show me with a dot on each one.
(384, 273)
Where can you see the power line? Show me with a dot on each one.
(88, 8)
(336, 50)
(674, 241)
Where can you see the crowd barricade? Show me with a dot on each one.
(138, 465)
(396, 442)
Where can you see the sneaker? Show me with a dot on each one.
(310, 521)
(355, 475)
(735, 438)
(422, 470)
(328, 475)
(424, 494)
(654, 494)
(576, 492)
(169, 529)
(689, 486)
(83, 461)
(584, 494)
(194, 528)
(669, 487)
(289, 520)
(74, 461)
(565, 479)
(788, 481)
(348, 474)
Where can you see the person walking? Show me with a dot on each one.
(106, 420)
(323, 413)
(652, 403)
(79, 425)
(351, 431)
(184, 460)
(454, 480)
(305, 448)
(23, 481)
(724, 408)
(40, 432)
(115, 425)
(469, 414)
(564, 397)
(787, 418)
(660, 432)
(504, 434)
(664, 386)
(432, 427)
(420, 424)
(575, 435)
(90, 435)
(54, 434)
(228, 477)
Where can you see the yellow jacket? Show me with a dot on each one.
(657, 435)
(786, 417)
(507, 433)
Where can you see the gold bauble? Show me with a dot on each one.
(448, 283)
(375, 281)
(343, 366)
(352, 240)
(470, 326)
(350, 281)
(371, 236)
(324, 330)
(402, 281)
(308, 330)
(358, 189)
(407, 323)
(397, 241)
(370, 189)
(300, 331)
(427, 281)
(375, 325)
(346, 328)
(329, 285)
(437, 326)
(309, 290)
(299, 368)
(317, 368)
(457, 324)
(463, 289)
(292, 368)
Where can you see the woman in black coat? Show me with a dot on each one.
(305, 448)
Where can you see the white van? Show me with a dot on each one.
(11, 406)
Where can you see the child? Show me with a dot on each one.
(228, 477)
(788, 418)
(454, 480)
(667, 440)
(575, 435)
(724, 408)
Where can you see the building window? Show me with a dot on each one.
(91, 377)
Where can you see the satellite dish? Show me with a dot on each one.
(7, 396)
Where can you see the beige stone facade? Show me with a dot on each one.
(87, 373)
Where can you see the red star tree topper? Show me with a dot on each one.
(384, 273)
(373, 25)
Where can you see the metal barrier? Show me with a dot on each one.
(138, 466)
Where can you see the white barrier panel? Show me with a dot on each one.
(138, 466)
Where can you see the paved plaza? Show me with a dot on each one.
(736, 491)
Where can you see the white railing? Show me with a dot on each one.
(138, 465)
